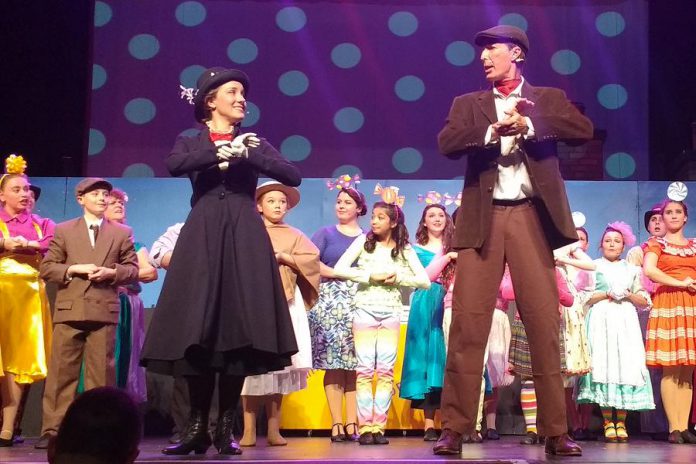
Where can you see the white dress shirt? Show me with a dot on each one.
(513, 182)
(90, 232)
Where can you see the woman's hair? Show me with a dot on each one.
(209, 96)
(666, 202)
(447, 274)
(357, 196)
(399, 233)
(587, 236)
(6, 178)
(422, 231)
(119, 195)
(629, 239)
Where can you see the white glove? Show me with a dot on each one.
(618, 293)
(239, 147)
(249, 140)
(227, 152)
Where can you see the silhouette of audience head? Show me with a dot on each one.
(102, 426)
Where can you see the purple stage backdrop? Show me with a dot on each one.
(354, 86)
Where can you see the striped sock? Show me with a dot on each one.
(621, 415)
(608, 414)
(529, 405)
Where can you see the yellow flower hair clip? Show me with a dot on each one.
(15, 164)
(390, 195)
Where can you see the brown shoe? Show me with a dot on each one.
(675, 437)
(562, 445)
(450, 442)
(688, 437)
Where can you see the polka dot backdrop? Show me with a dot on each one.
(353, 87)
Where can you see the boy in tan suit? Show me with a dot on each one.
(89, 257)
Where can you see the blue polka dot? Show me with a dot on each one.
(612, 96)
(140, 110)
(409, 88)
(97, 142)
(565, 62)
(293, 83)
(138, 170)
(620, 165)
(143, 46)
(102, 14)
(296, 148)
(252, 116)
(291, 19)
(190, 14)
(242, 51)
(190, 75)
(348, 120)
(514, 19)
(407, 160)
(460, 53)
(192, 132)
(610, 23)
(98, 76)
(347, 168)
(346, 55)
(403, 23)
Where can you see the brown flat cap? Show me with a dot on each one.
(498, 34)
(91, 183)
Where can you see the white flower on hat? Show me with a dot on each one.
(187, 93)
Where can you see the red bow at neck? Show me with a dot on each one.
(506, 87)
(216, 136)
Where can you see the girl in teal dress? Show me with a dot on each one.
(422, 374)
(619, 380)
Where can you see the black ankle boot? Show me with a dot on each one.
(224, 439)
(194, 438)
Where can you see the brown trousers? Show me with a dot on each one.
(516, 237)
(72, 342)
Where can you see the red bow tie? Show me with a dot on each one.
(214, 137)
(506, 87)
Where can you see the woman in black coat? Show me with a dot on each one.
(222, 308)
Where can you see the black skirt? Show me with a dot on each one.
(222, 305)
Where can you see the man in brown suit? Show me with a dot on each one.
(89, 257)
(514, 209)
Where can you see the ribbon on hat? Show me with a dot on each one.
(343, 181)
(187, 93)
(390, 195)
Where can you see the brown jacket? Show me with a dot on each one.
(554, 118)
(79, 299)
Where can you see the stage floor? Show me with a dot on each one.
(401, 449)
